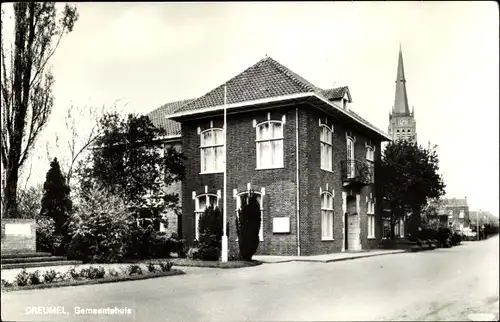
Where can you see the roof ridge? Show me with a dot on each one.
(293, 76)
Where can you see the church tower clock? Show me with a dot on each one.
(402, 125)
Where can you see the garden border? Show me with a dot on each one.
(104, 280)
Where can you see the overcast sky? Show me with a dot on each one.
(147, 54)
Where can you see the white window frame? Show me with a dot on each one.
(198, 211)
(327, 214)
(371, 219)
(351, 157)
(327, 146)
(218, 165)
(461, 214)
(259, 141)
(238, 207)
(370, 154)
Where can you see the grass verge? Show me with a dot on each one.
(93, 281)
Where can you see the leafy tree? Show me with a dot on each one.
(248, 226)
(128, 161)
(26, 84)
(99, 227)
(56, 202)
(29, 202)
(409, 177)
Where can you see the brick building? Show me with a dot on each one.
(172, 139)
(457, 211)
(306, 154)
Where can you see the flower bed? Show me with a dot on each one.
(87, 274)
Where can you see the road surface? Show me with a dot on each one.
(440, 285)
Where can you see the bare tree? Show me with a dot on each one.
(26, 84)
(81, 130)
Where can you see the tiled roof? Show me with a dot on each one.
(265, 79)
(335, 93)
(455, 202)
(158, 117)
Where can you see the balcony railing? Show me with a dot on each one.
(357, 172)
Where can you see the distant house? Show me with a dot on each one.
(302, 149)
(484, 217)
(457, 211)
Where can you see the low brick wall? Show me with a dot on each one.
(18, 235)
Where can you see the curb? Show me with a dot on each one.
(365, 256)
(173, 272)
(399, 251)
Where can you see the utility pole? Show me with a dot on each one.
(477, 223)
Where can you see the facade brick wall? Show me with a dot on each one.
(280, 185)
(19, 242)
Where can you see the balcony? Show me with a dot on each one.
(355, 172)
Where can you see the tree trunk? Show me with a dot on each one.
(10, 192)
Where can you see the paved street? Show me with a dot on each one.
(444, 284)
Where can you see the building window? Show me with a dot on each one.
(259, 199)
(370, 153)
(350, 158)
(212, 151)
(326, 148)
(202, 202)
(326, 216)
(269, 145)
(462, 214)
(371, 219)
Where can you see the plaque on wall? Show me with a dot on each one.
(281, 225)
(18, 229)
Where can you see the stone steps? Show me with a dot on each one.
(11, 260)
(40, 264)
(20, 260)
(10, 255)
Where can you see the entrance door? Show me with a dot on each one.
(350, 158)
(353, 230)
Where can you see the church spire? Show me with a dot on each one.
(401, 98)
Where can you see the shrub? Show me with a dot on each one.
(151, 267)
(34, 278)
(210, 226)
(134, 269)
(45, 234)
(165, 266)
(113, 272)
(96, 272)
(100, 227)
(193, 253)
(248, 226)
(72, 274)
(209, 247)
(49, 276)
(6, 283)
(22, 279)
(85, 273)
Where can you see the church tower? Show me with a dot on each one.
(402, 125)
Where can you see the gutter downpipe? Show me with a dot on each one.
(297, 173)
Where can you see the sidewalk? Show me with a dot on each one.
(327, 258)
